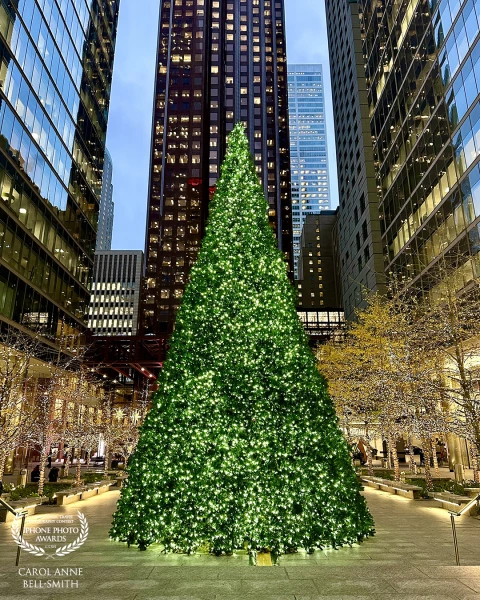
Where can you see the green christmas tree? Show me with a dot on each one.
(241, 444)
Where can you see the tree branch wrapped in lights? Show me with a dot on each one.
(241, 445)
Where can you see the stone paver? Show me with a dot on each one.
(411, 557)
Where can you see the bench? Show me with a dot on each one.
(413, 492)
(121, 480)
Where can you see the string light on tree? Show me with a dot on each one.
(241, 444)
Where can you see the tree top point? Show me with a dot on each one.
(238, 134)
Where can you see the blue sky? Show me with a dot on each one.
(130, 117)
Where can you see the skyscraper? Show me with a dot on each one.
(318, 273)
(425, 125)
(417, 68)
(308, 147)
(116, 289)
(359, 238)
(106, 212)
(219, 63)
(55, 75)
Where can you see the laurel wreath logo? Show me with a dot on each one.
(35, 550)
(63, 551)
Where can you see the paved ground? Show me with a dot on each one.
(411, 557)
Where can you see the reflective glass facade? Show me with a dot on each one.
(55, 76)
(422, 65)
(106, 214)
(219, 62)
(308, 147)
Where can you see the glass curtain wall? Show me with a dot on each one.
(308, 148)
(56, 61)
(425, 122)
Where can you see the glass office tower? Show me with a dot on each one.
(425, 123)
(419, 91)
(308, 147)
(107, 207)
(55, 76)
(219, 62)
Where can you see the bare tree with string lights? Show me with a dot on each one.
(17, 351)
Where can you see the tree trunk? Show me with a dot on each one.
(476, 433)
(396, 464)
(435, 459)
(78, 471)
(3, 460)
(368, 449)
(41, 481)
(106, 462)
(61, 446)
(411, 455)
(426, 442)
(67, 463)
(27, 456)
(474, 454)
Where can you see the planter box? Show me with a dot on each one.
(105, 486)
(89, 492)
(28, 504)
(77, 494)
(452, 502)
(68, 496)
(406, 490)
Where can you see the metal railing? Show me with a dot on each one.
(17, 513)
(453, 514)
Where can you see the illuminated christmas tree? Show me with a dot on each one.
(241, 445)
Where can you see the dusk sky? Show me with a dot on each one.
(129, 129)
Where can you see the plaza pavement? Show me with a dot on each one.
(411, 557)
